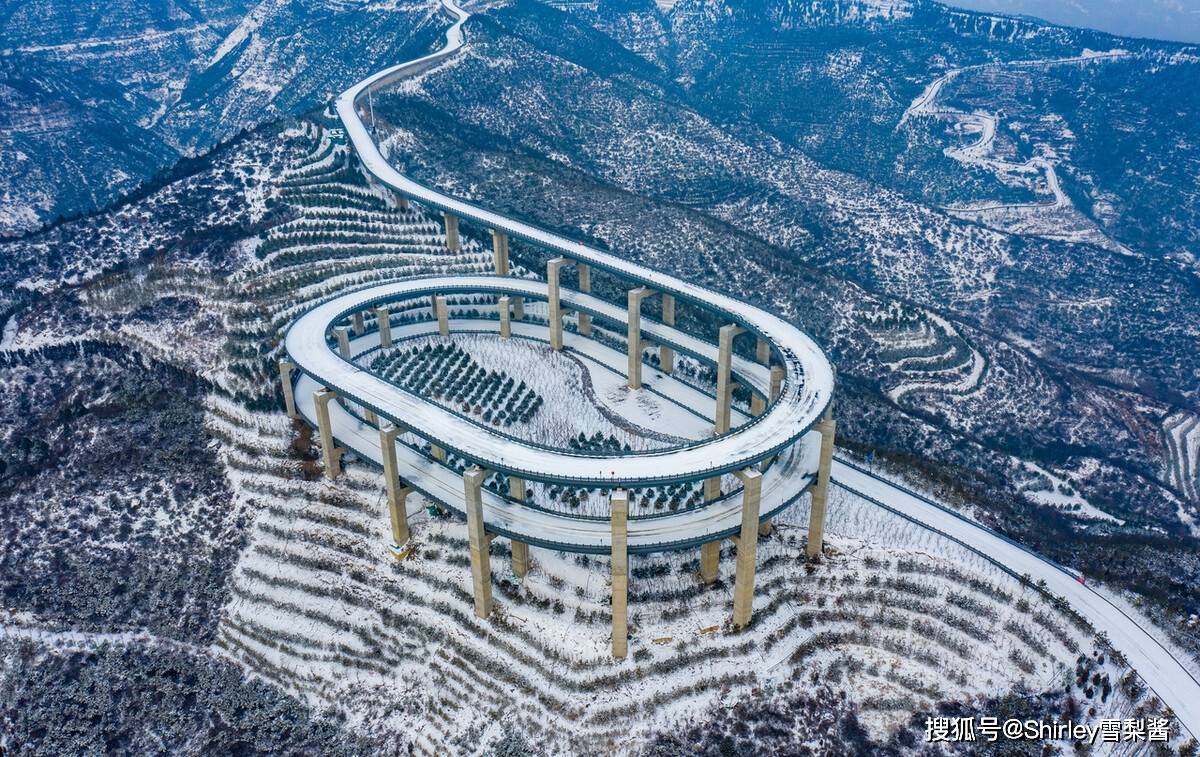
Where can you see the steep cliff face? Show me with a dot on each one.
(97, 98)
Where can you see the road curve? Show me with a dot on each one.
(783, 482)
(785, 421)
(809, 375)
(780, 438)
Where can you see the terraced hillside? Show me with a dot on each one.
(120, 530)
(308, 601)
(341, 233)
(219, 571)
(320, 607)
(897, 617)
(971, 353)
(98, 100)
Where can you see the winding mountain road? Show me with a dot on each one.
(807, 387)
(1059, 218)
(1165, 675)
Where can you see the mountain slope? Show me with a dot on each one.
(1034, 374)
(95, 100)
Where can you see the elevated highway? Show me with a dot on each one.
(778, 452)
(801, 454)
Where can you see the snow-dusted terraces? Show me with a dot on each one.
(807, 391)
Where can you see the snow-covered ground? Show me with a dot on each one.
(581, 395)
(1133, 636)
(1054, 218)
(897, 615)
(319, 606)
(1181, 431)
(1056, 491)
(1155, 663)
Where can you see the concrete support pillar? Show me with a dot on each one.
(384, 319)
(710, 552)
(634, 336)
(343, 340)
(442, 310)
(820, 492)
(517, 488)
(710, 561)
(555, 310)
(757, 405)
(585, 285)
(401, 202)
(481, 563)
(712, 489)
(518, 304)
(620, 572)
(438, 453)
(776, 385)
(500, 252)
(452, 241)
(747, 548)
(762, 351)
(505, 324)
(331, 455)
(666, 355)
(776, 381)
(724, 381)
(289, 395)
(360, 327)
(520, 550)
(520, 559)
(397, 493)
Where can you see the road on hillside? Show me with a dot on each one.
(1169, 680)
(1165, 675)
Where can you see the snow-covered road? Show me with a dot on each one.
(801, 401)
(1157, 666)
(782, 484)
(800, 355)
(1055, 218)
(1165, 675)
